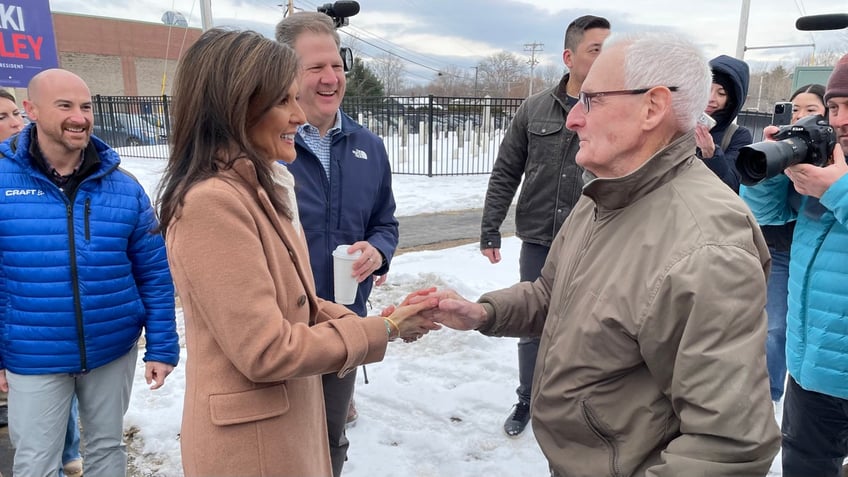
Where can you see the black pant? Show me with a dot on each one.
(815, 433)
(530, 264)
(337, 395)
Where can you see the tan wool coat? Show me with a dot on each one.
(257, 336)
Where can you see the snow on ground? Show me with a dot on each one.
(432, 408)
(414, 194)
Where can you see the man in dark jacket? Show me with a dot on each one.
(344, 190)
(81, 274)
(539, 147)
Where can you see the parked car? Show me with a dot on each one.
(123, 129)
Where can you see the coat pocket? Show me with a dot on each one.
(604, 434)
(248, 406)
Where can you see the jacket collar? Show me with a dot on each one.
(17, 148)
(560, 94)
(662, 167)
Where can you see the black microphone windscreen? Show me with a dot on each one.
(830, 21)
(346, 9)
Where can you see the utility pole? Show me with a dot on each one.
(476, 71)
(743, 29)
(288, 8)
(533, 48)
(206, 14)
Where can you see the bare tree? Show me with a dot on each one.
(768, 86)
(452, 81)
(391, 70)
(502, 74)
(827, 57)
(353, 43)
(550, 74)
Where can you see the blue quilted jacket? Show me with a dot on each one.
(817, 322)
(80, 277)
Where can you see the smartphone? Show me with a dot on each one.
(782, 113)
(707, 120)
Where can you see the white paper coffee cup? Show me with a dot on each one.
(344, 283)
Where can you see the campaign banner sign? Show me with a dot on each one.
(27, 44)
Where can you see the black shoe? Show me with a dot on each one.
(517, 420)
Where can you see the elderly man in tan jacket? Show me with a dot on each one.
(650, 306)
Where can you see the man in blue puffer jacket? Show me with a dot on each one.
(815, 410)
(82, 271)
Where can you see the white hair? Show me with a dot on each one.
(665, 59)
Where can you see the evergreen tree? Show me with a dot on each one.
(361, 81)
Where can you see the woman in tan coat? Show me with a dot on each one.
(257, 337)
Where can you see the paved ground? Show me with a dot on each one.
(418, 232)
(446, 229)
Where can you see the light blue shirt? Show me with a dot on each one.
(320, 146)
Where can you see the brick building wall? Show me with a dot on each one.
(98, 71)
(120, 57)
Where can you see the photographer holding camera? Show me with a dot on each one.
(815, 413)
(806, 101)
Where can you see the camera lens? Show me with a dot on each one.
(767, 159)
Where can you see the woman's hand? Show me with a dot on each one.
(410, 322)
(704, 141)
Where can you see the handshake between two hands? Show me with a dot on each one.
(428, 309)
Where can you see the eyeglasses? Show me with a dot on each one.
(586, 98)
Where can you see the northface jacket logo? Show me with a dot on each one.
(359, 153)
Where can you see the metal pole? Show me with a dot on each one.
(206, 14)
(743, 29)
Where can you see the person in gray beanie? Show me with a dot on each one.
(815, 410)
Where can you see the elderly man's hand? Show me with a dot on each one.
(813, 180)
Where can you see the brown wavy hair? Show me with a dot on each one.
(225, 83)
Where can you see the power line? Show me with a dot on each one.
(436, 70)
(408, 72)
(390, 45)
(408, 52)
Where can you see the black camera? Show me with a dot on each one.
(810, 140)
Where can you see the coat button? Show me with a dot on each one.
(301, 300)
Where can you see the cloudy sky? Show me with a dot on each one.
(441, 33)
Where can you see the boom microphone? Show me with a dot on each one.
(829, 21)
(340, 9)
(350, 8)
